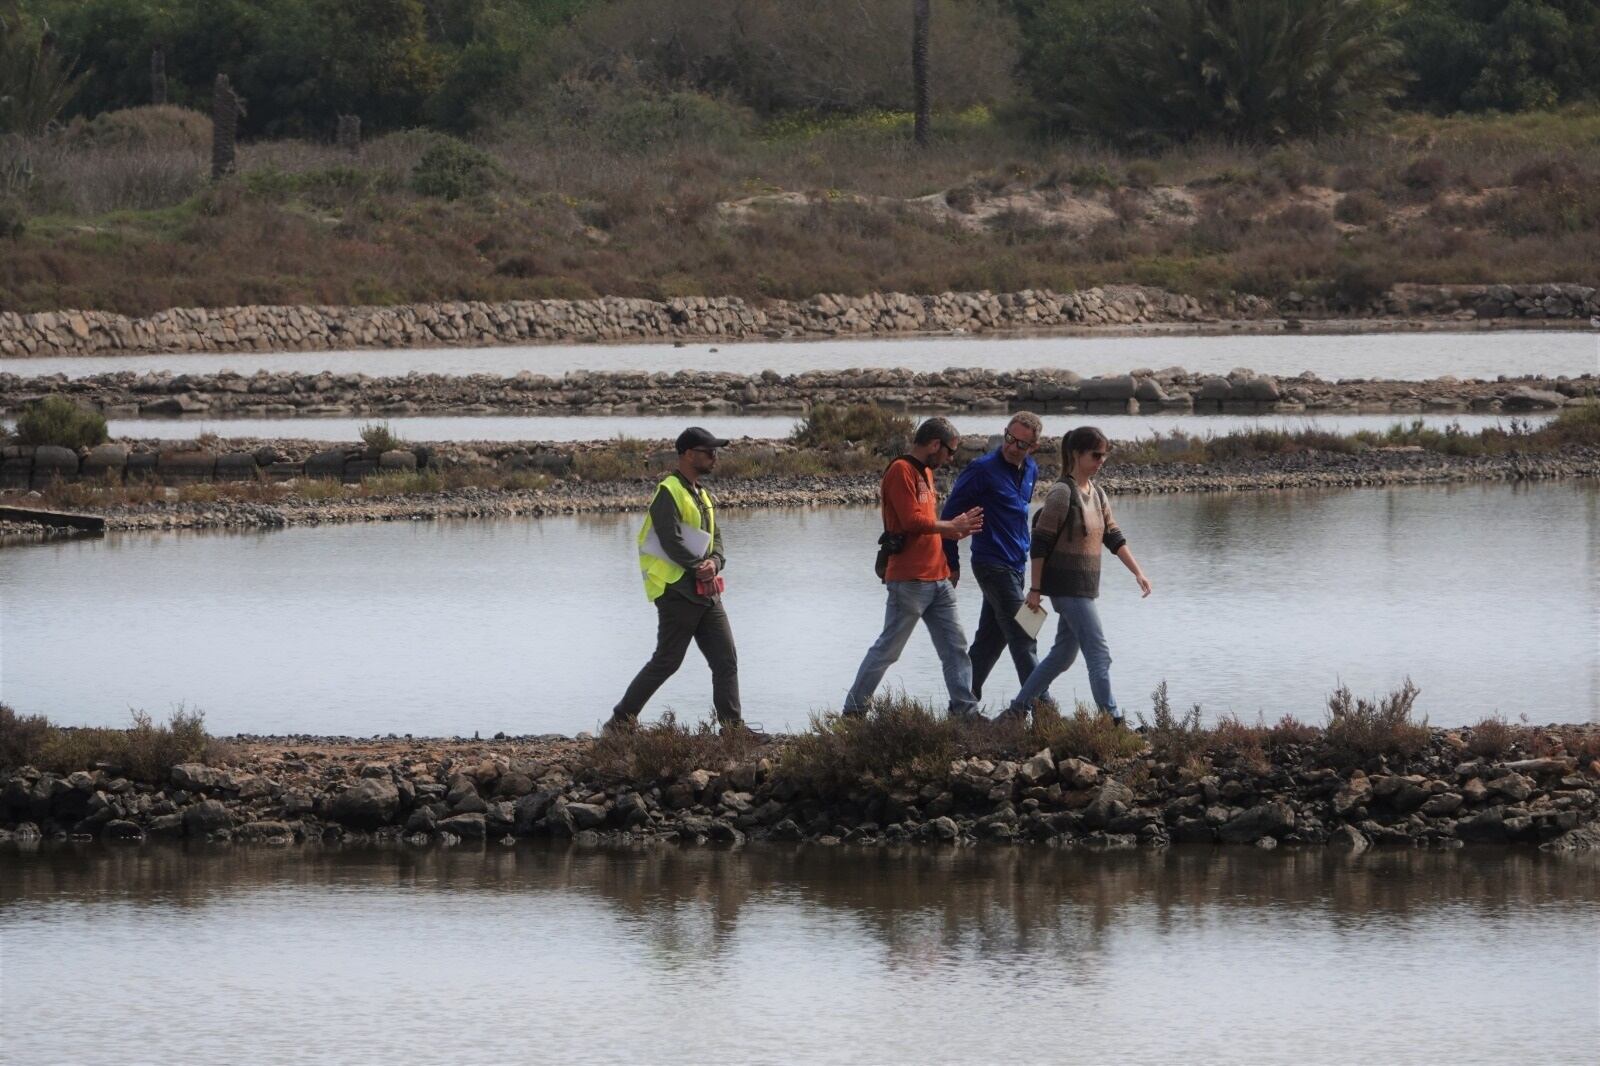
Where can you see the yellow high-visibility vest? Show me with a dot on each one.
(660, 572)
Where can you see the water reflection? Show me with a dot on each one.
(1006, 896)
(800, 955)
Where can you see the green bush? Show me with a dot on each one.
(1254, 70)
(832, 425)
(13, 219)
(57, 420)
(162, 127)
(1506, 55)
(378, 438)
(453, 170)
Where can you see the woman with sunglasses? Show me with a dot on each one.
(1064, 560)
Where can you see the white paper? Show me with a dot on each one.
(698, 541)
(1030, 620)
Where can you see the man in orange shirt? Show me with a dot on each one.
(918, 576)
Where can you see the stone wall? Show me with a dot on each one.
(305, 328)
(1307, 794)
(125, 394)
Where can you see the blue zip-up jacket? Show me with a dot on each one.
(1005, 494)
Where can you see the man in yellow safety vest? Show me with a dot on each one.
(680, 557)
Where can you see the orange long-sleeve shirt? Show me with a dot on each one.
(910, 506)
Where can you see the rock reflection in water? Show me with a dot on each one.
(798, 954)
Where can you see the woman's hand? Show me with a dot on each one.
(1144, 584)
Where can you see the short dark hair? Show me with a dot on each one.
(936, 429)
(1083, 439)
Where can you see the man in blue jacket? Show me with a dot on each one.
(1000, 482)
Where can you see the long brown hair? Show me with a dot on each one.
(1082, 439)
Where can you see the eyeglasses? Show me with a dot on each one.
(705, 451)
(1025, 445)
(947, 446)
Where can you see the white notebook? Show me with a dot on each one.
(698, 541)
(1030, 620)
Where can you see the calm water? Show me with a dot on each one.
(797, 955)
(1391, 355)
(1488, 597)
(665, 427)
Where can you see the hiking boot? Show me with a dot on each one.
(619, 725)
(738, 728)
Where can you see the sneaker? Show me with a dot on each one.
(972, 717)
(1011, 715)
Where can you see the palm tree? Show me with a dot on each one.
(1256, 70)
(36, 80)
(919, 68)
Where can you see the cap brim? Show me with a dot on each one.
(718, 443)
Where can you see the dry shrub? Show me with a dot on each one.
(624, 460)
(22, 737)
(1142, 174)
(163, 126)
(896, 737)
(1173, 737)
(1491, 737)
(1360, 728)
(1426, 176)
(1360, 208)
(1085, 734)
(666, 750)
(145, 751)
(1292, 166)
(1545, 172)
(1290, 730)
(1243, 743)
(1305, 219)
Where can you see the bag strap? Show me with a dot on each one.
(916, 464)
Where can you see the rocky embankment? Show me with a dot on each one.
(573, 495)
(292, 790)
(127, 394)
(308, 328)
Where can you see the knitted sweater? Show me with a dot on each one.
(1068, 532)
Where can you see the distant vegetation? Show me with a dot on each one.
(569, 148)
(57, 420)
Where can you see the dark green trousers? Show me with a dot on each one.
(678, 621)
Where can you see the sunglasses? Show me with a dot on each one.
(1020, 443)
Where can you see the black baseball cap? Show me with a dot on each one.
(695, 437)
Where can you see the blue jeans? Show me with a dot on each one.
(934, 602)
(1077, 626)
(997, 626)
